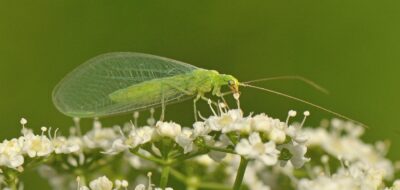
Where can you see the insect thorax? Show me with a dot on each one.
(210, 80)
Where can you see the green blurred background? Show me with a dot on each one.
(350, 47)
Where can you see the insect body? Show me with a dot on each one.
(197, 82)
(123, 82)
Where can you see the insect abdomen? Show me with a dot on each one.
(152, 91)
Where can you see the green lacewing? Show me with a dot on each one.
(122, 82)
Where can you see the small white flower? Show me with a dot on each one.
(118, 184)
(150, 185)
(254, 148)
(225, 121)
(277, 135)
(124, 183)
(168, 129)
(84, 188)
(65, 146)
(37, 145)
(242, 125)
(297, 151)
(11, 153)
(23, 121)
(261, 123)
(101, 183)
(117, 147)
(99, 137)
(140, 136)
(136, 137)
(222, 142)
(185, 140)
(200, 129)
(140, 187)
(296, 134)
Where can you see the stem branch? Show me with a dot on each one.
(150, 158)
(219, 149)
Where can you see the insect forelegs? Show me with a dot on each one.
(198, 97)
(222, 96)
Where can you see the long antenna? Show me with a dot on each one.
(303, 101)
(292, 77)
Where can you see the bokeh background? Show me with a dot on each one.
(350, 47)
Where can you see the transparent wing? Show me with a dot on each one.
(85, 91)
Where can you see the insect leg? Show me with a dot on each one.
(208, 99)
(195, 106)
(223, 99)
(162, 103)
(187, 93)
(226, 93)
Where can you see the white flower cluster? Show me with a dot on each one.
(275, 152)
(343, 140)
(259, 137)
(355, 176)
(14, 151)
(363, 166)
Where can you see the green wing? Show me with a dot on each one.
(85, 92)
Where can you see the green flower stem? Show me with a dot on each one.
(166, 167)
(11, 179)
(178, 175)
(189, 156)
(12, 186)
(83, 179)
(240, 174)
(164, 176)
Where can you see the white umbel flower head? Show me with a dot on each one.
(355, 176)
